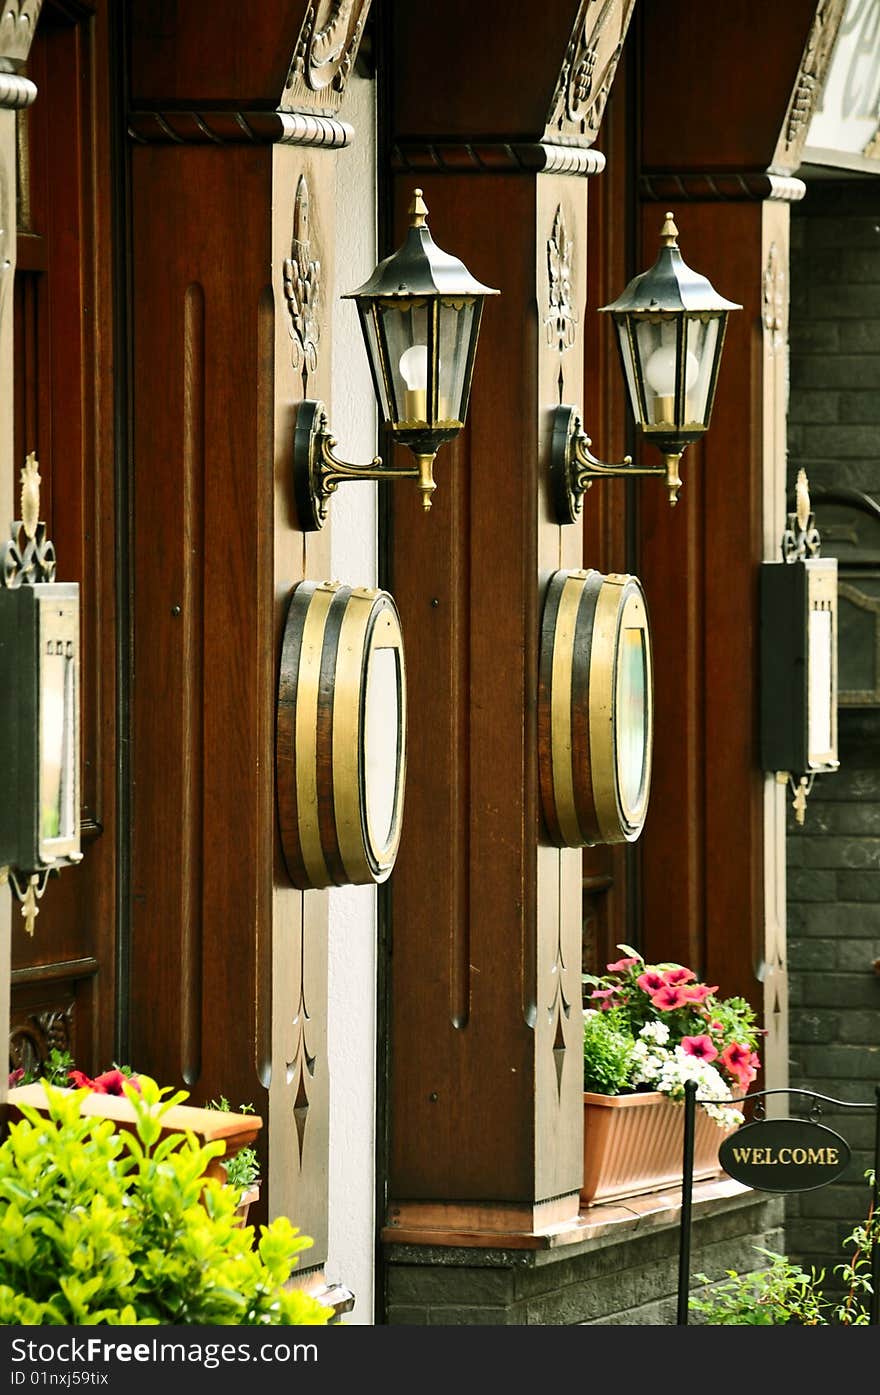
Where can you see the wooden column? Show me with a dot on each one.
(485, 1017)
(17, 25)
(713, 847)
(232, 176)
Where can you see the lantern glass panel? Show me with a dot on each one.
(406, 330)
(702, 338)
(820, 737)
(456, 326)
(629, 368)
(374, 354)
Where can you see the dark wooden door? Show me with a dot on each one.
(63, 976)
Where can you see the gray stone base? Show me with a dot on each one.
(625, 1273)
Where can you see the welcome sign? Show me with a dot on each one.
(784, 1155)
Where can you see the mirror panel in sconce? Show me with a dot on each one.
(670, 324)
(420, 314)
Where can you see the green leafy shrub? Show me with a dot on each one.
(243, 1168)
(608, 1053)
(104, 1225)
(783, 1294)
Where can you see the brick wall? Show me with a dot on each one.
(834, 859)
(608, 1282)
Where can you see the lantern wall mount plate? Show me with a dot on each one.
(595, 709)
(340, 744)
(420, 315)
(670, 325)
(39, 708)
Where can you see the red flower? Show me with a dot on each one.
(605, 996)
(111, 1083)
(667, 999)
(698, 992)
(651, 981)
(704, 1047)
(676, 977)
(716, 1026)
(16, 1076)
(80, 1080)
(741, 1062)
(621, 965)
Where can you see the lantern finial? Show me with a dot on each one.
(418, 210)
(669, 232)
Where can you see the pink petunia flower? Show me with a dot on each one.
(16, 1076)
(703, 1047)
(698, 992)
(741, 1062)
(676, 977)
(716, 1026)
(621, 965)
(80, 1081)
(668, 998)
(651, 981)
(112, 1082)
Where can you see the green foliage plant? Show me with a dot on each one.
(243, 1168)
(102, 1225)
(608, 1053)
(784, 1294)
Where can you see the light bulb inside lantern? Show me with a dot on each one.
(414, 371)
(660, 370)
(414, 367)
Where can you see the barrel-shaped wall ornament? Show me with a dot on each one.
(595, 709)
(340, 747)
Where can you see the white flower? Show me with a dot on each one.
(657, 1032)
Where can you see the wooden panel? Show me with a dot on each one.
(484, 972)
(703, 850)
(717, 80)
(529, 60)
(185, 52)
(64, 410)
(607, 504)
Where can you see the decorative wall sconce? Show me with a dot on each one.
(340, 743)
(420, 314)
(595, 709)
(799, 656)
(39, 707)
(670, 325)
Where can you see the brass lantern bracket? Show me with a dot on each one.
(573, 467)
(318, 472)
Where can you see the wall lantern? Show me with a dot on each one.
(799, 656)
(39, 708)
(670, 326)
(420, 315)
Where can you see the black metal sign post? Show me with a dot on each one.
(777, 1155)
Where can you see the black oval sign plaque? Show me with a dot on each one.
(784, 1155)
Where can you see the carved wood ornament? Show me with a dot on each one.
(33, 1037)
(18, 22)
(589, 67)
(775, 298)
(302, 289)
(810, 79)
(325, 52)
(562, 316)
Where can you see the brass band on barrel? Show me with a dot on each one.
(305, 761)
(560, 711)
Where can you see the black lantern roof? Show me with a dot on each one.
(419, 267)
(670, 286)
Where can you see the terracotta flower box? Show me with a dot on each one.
(633, 1144)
